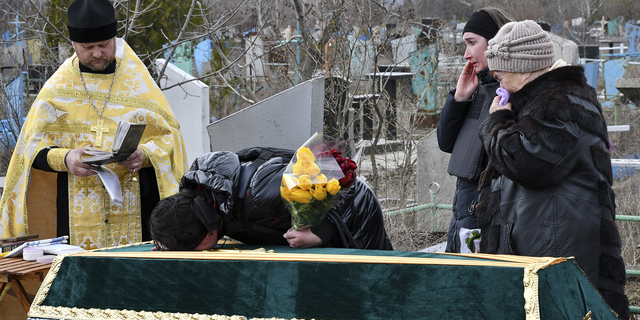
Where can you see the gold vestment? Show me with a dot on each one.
(62, 116)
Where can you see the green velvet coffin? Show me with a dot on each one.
(280, 282)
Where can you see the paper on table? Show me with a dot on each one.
(36, 243)
(112, 183)
(61, 249)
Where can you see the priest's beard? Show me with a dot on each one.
(98, 65)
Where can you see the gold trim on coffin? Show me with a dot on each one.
(495, 260)
(37, 310)
(530, 281)
(531, 266)
(75, 313)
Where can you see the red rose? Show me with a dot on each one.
(347, 166)
(347, 180)
(351, 165)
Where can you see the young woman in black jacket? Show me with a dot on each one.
(463, 111)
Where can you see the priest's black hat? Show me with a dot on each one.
(91, 21)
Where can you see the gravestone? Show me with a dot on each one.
(14, 56)
(202, 56)
(182, 56)
(612, 70)
(402, 47)
(431, 170)
(589, 51)
(633, 36)
(34, 47)
(424, 66)
(190, 105)
(565, 49)
(630, 87)
(254, 45)
(363, 57)
(591, 70)
(285, 120)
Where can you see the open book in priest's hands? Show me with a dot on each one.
(125, 143)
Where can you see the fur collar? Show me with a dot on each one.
(564, 80)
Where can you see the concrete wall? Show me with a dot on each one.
(432, 167)
(285, 120)
(190, 105)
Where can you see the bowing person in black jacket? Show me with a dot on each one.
(238, 195)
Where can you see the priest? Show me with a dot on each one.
(48, 189)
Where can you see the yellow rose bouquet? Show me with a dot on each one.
(312, 182)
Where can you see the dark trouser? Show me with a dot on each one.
(464, 212)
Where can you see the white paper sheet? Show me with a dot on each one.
(112, 183)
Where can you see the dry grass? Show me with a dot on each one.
(627, 195)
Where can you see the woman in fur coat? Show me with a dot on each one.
(547, 189)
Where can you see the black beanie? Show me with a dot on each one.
(482, 24)
(91, 21)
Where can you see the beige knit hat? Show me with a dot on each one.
(520, 47)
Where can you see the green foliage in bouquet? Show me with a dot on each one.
(475, 235)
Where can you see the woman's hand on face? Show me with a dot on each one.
(495, 105)
(467, 83)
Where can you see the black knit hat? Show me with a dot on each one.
(482, 24)
(91, 21)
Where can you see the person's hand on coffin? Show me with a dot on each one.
(302, 238)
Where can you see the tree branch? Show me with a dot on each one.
(173, 48)
(60, 33)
